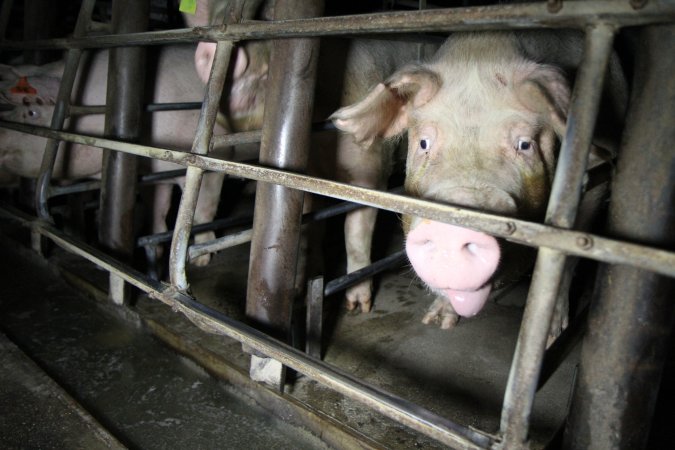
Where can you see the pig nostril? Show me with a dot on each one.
(472, 248)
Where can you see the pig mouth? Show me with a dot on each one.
(466, 303)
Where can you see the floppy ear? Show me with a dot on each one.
(385, 111)
(546, 91)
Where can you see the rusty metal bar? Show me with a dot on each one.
(494, 17)
(285, 144)
(314, 318)
(394, 407)
(562, 207)
(633, 314)
(60, 109)
(200, 146)
(516, 230)
(124, 97)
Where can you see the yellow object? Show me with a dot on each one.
(188, 6)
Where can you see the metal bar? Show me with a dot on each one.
(126, 78)
(285, 144)
(200, 146)
(394, 407)
(82, 110)
(60, 109)
(314, 320)
(563, 203)
(158, 238)
(494, 17)
(352, 278)
(533, 234)
(632, 316)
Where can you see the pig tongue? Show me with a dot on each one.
(468, 303)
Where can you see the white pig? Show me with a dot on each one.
(484, 120)
(31, 90)
(346, 70)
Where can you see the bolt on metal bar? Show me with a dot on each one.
(494, 17)
(394, 407)
(200, 146)
(563, 203)
(60, 109)
(520, 231)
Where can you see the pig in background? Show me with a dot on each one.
(33, 104)
(346, 70)
(484, 120)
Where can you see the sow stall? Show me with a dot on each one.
(636, 249)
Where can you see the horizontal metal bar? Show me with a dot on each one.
(494, 17)
(343, 282)
(81, 110)
(245, 236)
(516, 230)
(394, 407)
(158, 238)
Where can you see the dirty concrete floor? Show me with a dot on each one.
(459, 374)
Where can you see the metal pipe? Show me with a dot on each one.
(533, 234)
(495, 17)
(59, 114)
(352, 278)
(285, 144)
(200, 146)
(82, 110)
(562, 207)
(124, 97)
(632, 316)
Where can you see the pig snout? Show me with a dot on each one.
(454, 261)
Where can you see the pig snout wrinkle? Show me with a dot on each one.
(454, 261)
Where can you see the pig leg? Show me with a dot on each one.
(207, 206)
(442, 312)
(160, 209)
(359, 227)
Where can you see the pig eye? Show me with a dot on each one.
(425, 144)
(524, 145)
(33, 114)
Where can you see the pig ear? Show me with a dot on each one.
(385, 112)
(547, 92)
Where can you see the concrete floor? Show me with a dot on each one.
(460, 374)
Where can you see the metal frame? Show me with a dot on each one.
(600, 19)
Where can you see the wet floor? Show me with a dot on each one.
(143, 393)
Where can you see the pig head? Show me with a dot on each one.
(483, 125)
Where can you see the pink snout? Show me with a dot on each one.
(454, 261)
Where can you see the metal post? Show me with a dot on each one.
(124, 97)
(562, 208)
(633, 315)
(277, 215)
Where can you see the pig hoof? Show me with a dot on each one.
(201, 261)
(441, 312)
(359, 295)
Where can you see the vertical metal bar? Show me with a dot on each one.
(284, 144)
(633, 315)
(200, 145)
(314, 323)
(124, 98)
(563, 203)
(59, 115)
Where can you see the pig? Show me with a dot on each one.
(346, 70)
(31, 92)
(483, 119)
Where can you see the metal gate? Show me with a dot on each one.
(637, 248)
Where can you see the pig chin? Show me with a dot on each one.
(455, 262)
